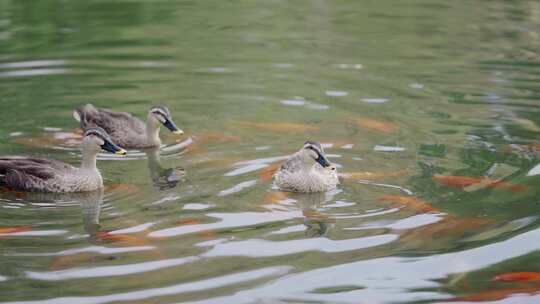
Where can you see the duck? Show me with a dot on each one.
(47, 175)
(307, 171)
(128, 131)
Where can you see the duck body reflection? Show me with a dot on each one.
(163, 177)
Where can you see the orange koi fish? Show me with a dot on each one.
(374, 125)
(466, 181)
(275, 196)
(496, 295)
(280, 127)
(517, 276)
(210, 234)
(366, 175)
(204, 138)
(450, 226)
(410, 202)
(68, 261)
(121, 238)
(11, 230)
(128, 188)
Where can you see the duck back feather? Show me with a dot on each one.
(121, 126)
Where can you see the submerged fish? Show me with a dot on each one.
(126, 239)
(11, 230)
(128, 188)
(275, 197)
(210, 234)
(496, 295)
(410, 202)
(518, 276)
(367, 175)
(204, 138)
(450, 226)
(68, 261)
(374, 125)
(280, 127)
(466, 181)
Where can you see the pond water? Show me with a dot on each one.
(428, 108)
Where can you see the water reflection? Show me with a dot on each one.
(162, 177)
(91, 209)
(317, 223)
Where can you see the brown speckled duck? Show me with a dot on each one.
(126, 130)
(45, 175)
(308, 170)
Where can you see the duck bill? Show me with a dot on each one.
(323, 161)
(112, 148)
(169, 124)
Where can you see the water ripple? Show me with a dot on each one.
(229, 220)
(96, 249)
(107, 271)
(222, 281)
(263, 248)
(388, 279)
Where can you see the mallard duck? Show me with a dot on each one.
(44, 175)
(308, 170)
(126, 130)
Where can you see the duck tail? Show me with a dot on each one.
(77, 115)
(81, 114)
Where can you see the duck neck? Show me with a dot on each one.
(89, 160)
(152, 132)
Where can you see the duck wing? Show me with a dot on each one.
(292, 164)
(111, 121)
(29, 173)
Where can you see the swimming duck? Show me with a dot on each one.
(126, 130)
(308, 170)
(44, 175)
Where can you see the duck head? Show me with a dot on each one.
(313, 153)
(97, 139)
(162, 115)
